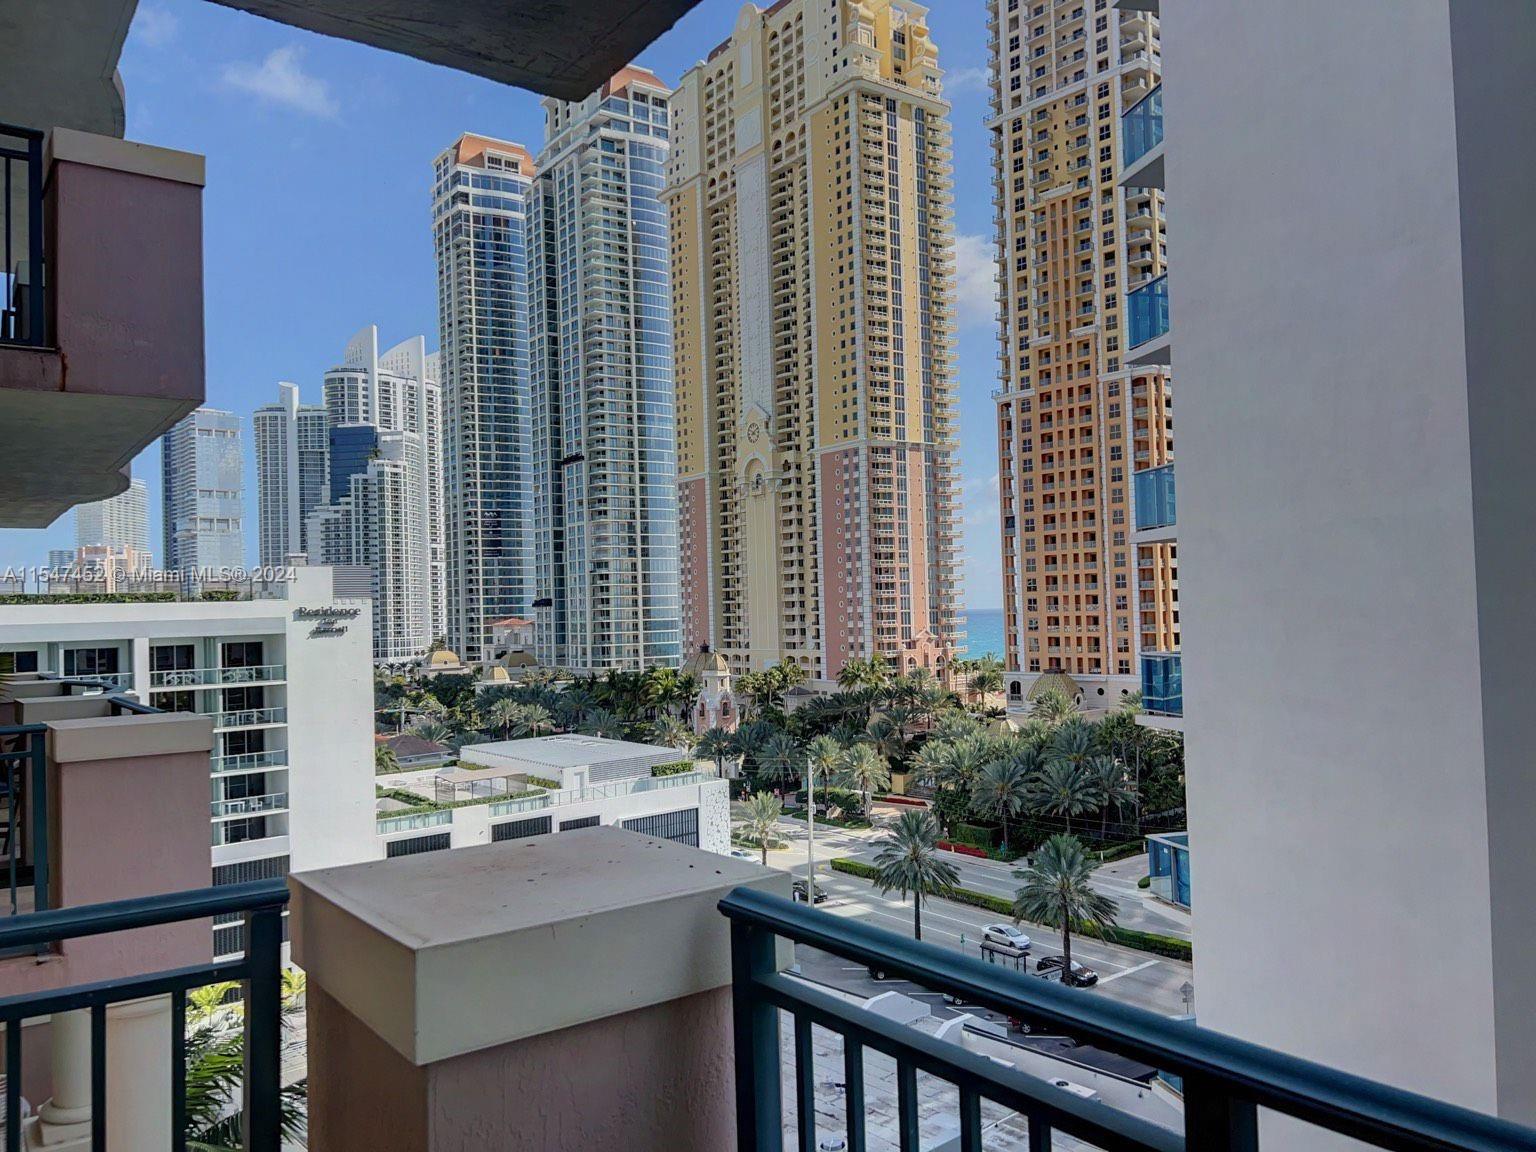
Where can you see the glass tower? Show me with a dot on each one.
(481, 190)
(605, 461)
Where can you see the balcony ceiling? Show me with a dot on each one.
(58, 63)
(562, 48)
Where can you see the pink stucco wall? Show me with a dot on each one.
(840, 529)
(126, 281)
(123, 828)
(659, 1079)
(693, 562)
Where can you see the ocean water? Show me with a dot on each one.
(984, 632)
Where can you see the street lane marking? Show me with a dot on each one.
(1127, 972)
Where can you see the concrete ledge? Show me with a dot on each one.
(448, 953)
(127, 737)
(74, 147)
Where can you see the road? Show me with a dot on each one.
(1135, 977)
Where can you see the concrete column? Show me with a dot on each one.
(565, 991)
(140, 668)
(64, 1119)
(139, 1073)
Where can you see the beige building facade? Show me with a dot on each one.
(1075, 418)
(809, 187)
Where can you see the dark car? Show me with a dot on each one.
(798, 892)
(1081, 975)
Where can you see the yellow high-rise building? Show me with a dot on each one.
(812, 254)
(1078, 415)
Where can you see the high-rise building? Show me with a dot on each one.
(121, 521)
(201, 464)
(479, 216)
(604, 448)
(292, 458)
(382, 502)
(809, 188)
(1075, 419)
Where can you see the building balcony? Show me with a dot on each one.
(217, 677)
(1147, 320)
(101, 312)
(1162, 684)
(1156, 505)
(1141, 128)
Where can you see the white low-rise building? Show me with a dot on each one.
(287, 675)
(558, 783)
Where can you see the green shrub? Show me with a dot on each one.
(1169, 946)
(1121, 851)
(544, 782)
(1144, 883)
(221, 595)
(676, 769)
(90, 598)
(974, 835)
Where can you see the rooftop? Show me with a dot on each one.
(570, 750)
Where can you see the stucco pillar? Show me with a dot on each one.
(139, 1073)
(565, 991)
(64, 1120)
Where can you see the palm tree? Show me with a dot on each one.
(1002, 788)
(985, 680)
(865, 770)
(535, 720)
(674, 733)
(1052, 707)
(1056, 892)
(433, 731)
(504, 714)
(716, 744)
(821, 757)
(385, 760)
(886, 735)
(909, 861)
(781, 759)
(763, 812)
(1113, 786)
(215, 1047)
(1063, 788)
(600, 722)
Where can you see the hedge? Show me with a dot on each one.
(676, 769)
(1169, 946)
(89, 598)
(544, 782)
(430, 806)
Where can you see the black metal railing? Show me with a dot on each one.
(259, 972)
(23, 315)
(24, 778)
(1225, 1081)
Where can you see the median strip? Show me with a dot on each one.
(1170, 946)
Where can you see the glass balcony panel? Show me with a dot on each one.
(1156, 505)
(1148, 311)
(1141, 127)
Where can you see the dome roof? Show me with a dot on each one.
(1057, 680)
(707, 662)
(498, 674)
(443, 658)
(1002, 726)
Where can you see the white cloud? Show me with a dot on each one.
(155, 27)
(972, 79)
(979, 497)
(975, 280)
(280, 80)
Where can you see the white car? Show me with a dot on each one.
(1005, 936)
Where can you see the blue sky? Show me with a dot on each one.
(316, 213)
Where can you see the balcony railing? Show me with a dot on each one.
(1156, 501)
(414, 822)
(259, 970)
(24, 771)
(249, 717)
(23, 312)
(1162, 683)
(214, 677)
(1148, 311)
(1225, 1081)
(249, 805)
(1141, 127)
(249, 761)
